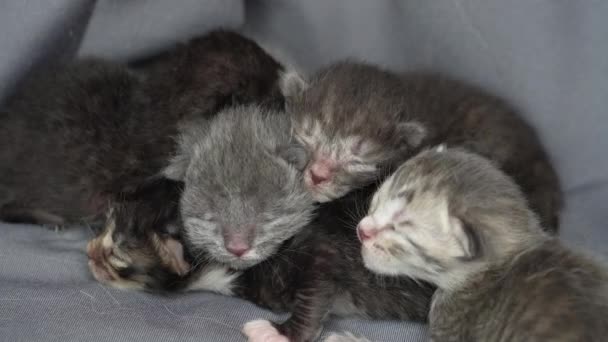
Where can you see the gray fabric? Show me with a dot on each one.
(546, 56)
(126, 29)
(35, 32)
(47, 294)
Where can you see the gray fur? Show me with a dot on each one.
(239, 181)
(397, 115)
(511, 281)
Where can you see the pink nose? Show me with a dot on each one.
(320, 172)
(367, 229)
(238, 248)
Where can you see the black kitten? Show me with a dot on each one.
(76, 135)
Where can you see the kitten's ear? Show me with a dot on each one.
(295, 154)
(176, 170)
(292, 84)
(467, 242)
(412, 132)
(171, 253)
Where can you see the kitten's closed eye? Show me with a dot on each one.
(406, 223)
(200, 221)
(358, 162)
(407, 194)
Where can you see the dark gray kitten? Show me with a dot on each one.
(452, 218)
(243, 194)
(360, 122)
(76, 135)
(73, 135)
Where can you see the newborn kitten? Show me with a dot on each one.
(300, 277)
(60, 139)
(453, 219)
(78, 134)
(243, 193)
(140, 246)
(360, 122)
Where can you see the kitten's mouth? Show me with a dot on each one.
(251, 258)
(321, 193)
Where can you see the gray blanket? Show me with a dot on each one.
(547, 57)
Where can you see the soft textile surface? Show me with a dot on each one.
(547, 57)
(47, 294)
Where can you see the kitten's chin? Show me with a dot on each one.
(248, 260)
(378, 262)
(320, 195)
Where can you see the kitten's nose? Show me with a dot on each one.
(366, 229)
(320, 172)
(238, 248)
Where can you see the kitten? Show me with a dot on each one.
(243, 194)
(140, 246)
(360, 122)
(300, 277)
(453, 219)
(77, 135)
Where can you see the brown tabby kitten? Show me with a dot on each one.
(125, 255)
(360, 122)
(453, 219)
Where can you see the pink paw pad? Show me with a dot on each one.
(262, 331)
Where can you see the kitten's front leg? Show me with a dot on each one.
(262, 331)
(312, 303)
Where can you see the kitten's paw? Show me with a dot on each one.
(262, 331)
(346, 337)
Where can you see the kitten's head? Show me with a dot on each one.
(352, 120)
(243, 193)
(443, 215)
(140, 245)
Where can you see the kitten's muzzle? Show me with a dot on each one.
(368, 229)
(239, 243)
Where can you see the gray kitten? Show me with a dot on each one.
(453, 219)
(243, 194)
(360, 122)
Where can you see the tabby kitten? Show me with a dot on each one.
(141, 246)
(360, 122)
(453, 219)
